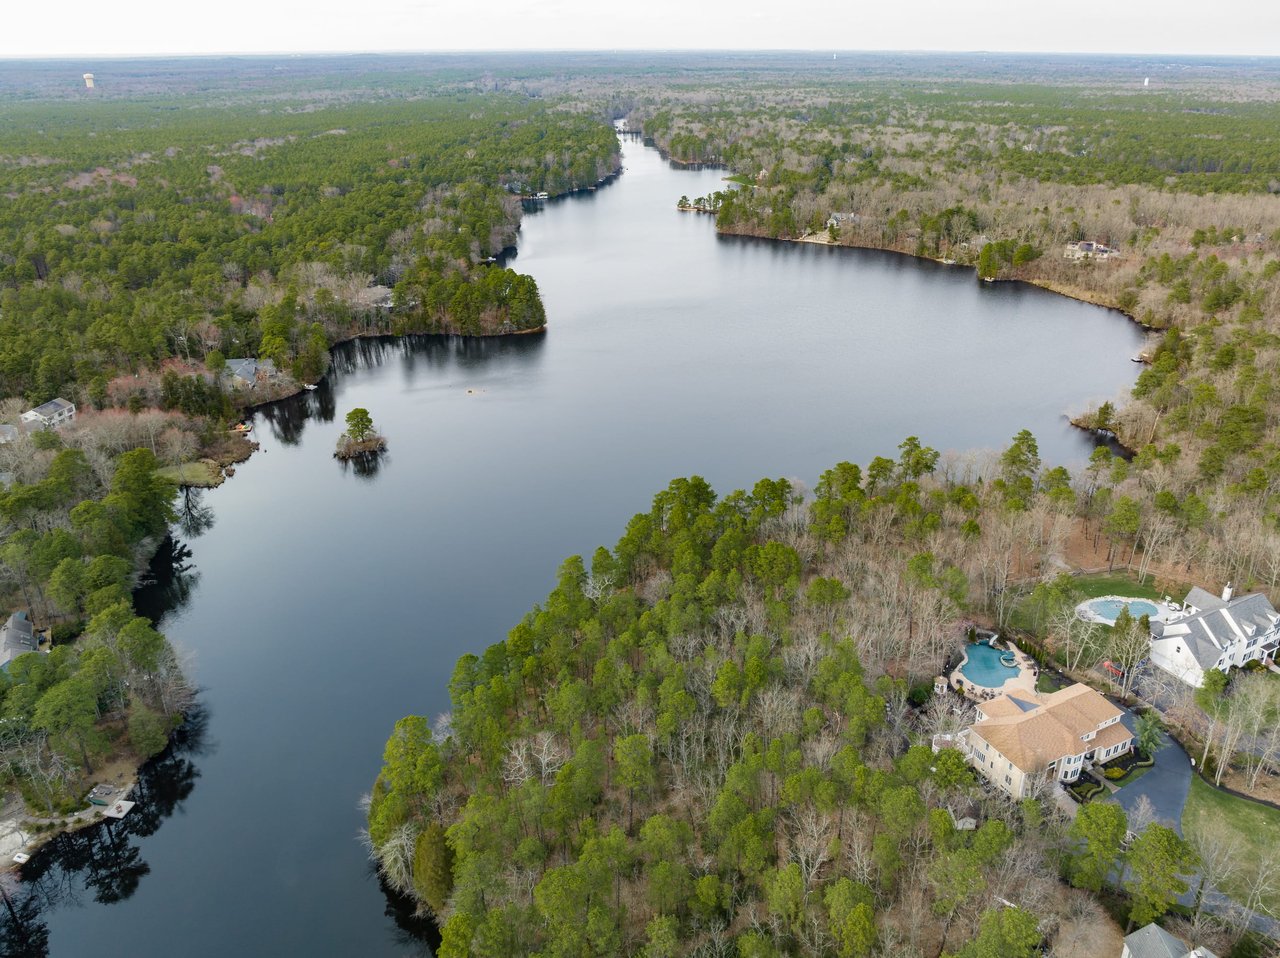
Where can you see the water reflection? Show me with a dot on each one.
(415, 933)
(171, 577)
(287, 418)
(366, 466)
(102, 863)
(194, 517)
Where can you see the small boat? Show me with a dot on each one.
(310, 387)
(1136, 359)
(22, 858)
(242, 427)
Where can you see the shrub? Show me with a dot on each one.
(1114, 774)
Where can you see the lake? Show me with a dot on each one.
(319, 604)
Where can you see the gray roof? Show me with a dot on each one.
(243, 368)
(53, 407)
(1152, 941)
(248, 368)
(1203, 599)
(16, 637)
(8, 433)
(1220, 624)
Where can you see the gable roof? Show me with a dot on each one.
(16, 637)
(1152, 941)
(243, 368)
(1033, 729)
(1220, 624)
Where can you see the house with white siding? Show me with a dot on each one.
(1212, 632)
(1021, 737)
(50, 415)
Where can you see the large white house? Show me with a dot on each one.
(1209, 632)
(50, 415)
(1020, 737)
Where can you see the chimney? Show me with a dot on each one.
(1227, 593)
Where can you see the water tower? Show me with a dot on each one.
(88, 81)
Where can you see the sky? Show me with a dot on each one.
(81, 28)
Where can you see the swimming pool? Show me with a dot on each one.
(1108, 608)
(987, 667)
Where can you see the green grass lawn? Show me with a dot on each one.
(204, 474)
(1119, 583)
(1091, 587)
(1255, 827)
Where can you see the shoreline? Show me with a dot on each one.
(1080, 295)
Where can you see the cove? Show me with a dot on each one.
(320, 604)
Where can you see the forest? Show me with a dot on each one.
(713, 739)
(136, 234)
(144, 241)
(110, 685)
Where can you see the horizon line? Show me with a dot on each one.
(615, 51)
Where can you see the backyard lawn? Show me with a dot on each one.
(1255, 827)
(1117, 583)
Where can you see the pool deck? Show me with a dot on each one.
(1084, 612)
(1021, 679)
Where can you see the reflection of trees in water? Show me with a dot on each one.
(430, 352)
(22, 933)
(415, 934)
(287, 418)
(367, 465)
(324, 404)
(194, 517)
(170, 580)
(101, 862)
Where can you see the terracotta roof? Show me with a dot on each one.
(1051, 729)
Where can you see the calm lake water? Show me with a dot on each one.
(320, 605)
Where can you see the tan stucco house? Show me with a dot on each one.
(1020, 737)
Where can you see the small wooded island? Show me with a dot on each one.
(360, 440)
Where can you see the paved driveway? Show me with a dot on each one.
(1166, 784)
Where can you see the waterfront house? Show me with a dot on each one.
(1152, 941)
(1021, 736)
(1212, 632)
(16, 638)
(1087, 249)
(247, 372)
(50, 415)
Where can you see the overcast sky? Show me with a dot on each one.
(141, 27)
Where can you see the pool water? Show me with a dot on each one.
(983, 666)
(1109, 609)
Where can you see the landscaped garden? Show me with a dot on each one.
(1125, 768)
(1084, 788)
